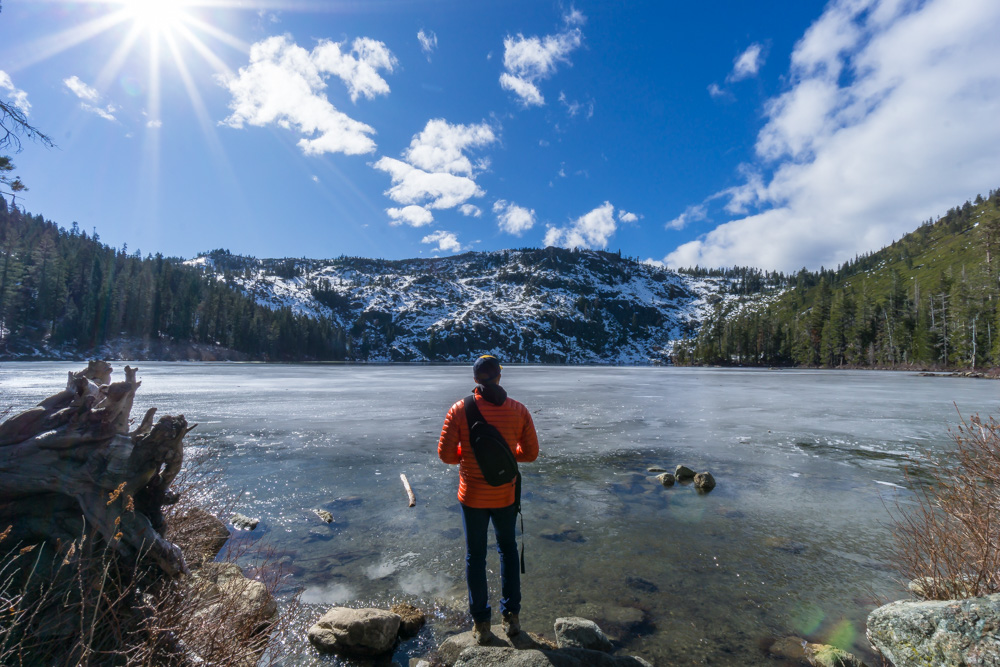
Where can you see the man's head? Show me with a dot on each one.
(487, 369)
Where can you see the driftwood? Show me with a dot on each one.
(409, 491)
(71, 464)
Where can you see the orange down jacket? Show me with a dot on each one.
(513, 421)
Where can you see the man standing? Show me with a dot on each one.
(481, 502)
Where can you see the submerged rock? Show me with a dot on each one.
(824, 655)
(364, 632)
(656, 469)
(683, 473)
(324, 515)
(666, 479)
(576, 632)
(243, 522)
(789, 648)
(704, 482)
(565, 535)
(943, 633)
(491, 656)
(411, 619)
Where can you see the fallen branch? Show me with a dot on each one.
(409, 491)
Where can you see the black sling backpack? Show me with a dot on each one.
(494, 457)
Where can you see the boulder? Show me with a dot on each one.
(824, 655)
(364, 632)
(788, 648)
(202, 534)
(453, 646)
(683, 473)
(576, 632)
(411, 619)
(941, 633)
(219, 582)
(666, 479)
(243, 522)
(704, 482)
(491, 656)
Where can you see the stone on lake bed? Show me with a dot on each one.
(364, 632)
(789, 648)
(824, 655)
(704, 482)
(666, 479)
(324, 515)
(683, 473)
(243, 522)
(576, 632)
(656, 469)
(566, 534)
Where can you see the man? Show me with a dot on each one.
(481, 502)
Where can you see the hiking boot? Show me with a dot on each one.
(482, 634)
(511, 624)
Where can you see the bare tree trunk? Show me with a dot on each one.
(71, 462)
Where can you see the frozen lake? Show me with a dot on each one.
(792, 541)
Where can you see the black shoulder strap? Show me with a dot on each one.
(472, 413)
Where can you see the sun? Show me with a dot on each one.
(155, 16)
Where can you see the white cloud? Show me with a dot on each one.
(512, 218)
(81, 90)
(428, 42)
(441, 146)
(415, 216)
(528, 60)
(435, 172)
(14, 94)
(447, 241)
(470, 211)
(591, 230)
(691, 214)
(625, 216)
(747, 64)
(889, 119)
(154, 124)
(575, 107)
(358, 69)
(284, 84)
(315, 178)
(715, 91)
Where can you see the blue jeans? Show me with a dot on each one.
(476, 522)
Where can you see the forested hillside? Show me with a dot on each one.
(65, 293)
(931, 299)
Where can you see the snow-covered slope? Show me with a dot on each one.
(533, 305)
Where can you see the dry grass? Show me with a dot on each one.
(82, 604)
(951, 539)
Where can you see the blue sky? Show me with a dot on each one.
(778, 134)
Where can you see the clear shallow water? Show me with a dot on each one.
(791, 541)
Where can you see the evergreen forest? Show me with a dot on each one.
(929, 300)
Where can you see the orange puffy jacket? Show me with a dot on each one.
(513, 421)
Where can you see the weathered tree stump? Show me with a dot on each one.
(71, 463)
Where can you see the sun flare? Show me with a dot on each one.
(155, 15)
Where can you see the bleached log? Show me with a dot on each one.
(409, 491)
(73, 455)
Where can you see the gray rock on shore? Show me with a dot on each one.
(704, 482)
(362, 632)
(576, 632)
(944, 633)
(666, 479)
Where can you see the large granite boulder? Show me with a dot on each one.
(363, 632)
(576, 632)
(941, 633)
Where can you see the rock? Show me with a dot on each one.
(576, 632)
(683, 473)
(704, 482)
(411, 619)
(453, 646)
(420, 662)
(202, 534)
(640, 584)
(355, 631)
(656, 469)
(940, 633)
(324, 515)
(666, 479)
(789, 648)
(616, 622)
(823, 655)
(224, 591)
(491, 656)
(566, 534)
(243, 522)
